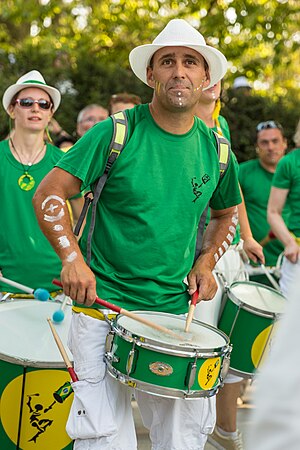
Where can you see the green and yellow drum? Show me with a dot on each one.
(35, 391)
(249, 318)
(159, 364)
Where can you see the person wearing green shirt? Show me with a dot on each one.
(145, 235)
(286, 190)
(231, 268)
(255, 177)
(25, 254)
(25, 158)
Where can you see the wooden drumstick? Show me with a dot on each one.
(132, 315)
(191, 311)
(270, 236)
(270, 277)
(63, 352)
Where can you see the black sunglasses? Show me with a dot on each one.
(268, 124)
(29, 102)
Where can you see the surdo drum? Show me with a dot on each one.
(35, 388)
(249, 318)
(158, 364)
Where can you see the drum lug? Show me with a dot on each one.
(130, 360)
(110, 349)
(109, 341)
(191, 374)
(225, 364)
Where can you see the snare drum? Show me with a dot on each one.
(158, 364)
(249, 319)
(34, 386)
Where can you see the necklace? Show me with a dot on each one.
(26, 181)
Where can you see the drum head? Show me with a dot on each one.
(200, 335)
(258, 296)
(25, 335)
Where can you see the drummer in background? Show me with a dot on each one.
(286, 190)
(122, 101)
(255, 177)
(226, 432)
(25, 254)
(145, 235)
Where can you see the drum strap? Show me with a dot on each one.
(117, 144)
(93, 312)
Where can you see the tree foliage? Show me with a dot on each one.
(82, 46)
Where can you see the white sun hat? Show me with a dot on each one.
(178, 33)
(31, 79)
(241, 82)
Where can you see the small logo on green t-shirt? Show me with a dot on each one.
(197, 186)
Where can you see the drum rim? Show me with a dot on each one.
(159, 390)
(27, 362)
(193, 351)
(31, 363)
(247, 307)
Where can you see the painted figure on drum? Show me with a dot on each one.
(36, 417)
(143, 244)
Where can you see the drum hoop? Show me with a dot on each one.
(130, 336)
(245, 306)
(159, 391)
(268, 288)
(240, 373)
(31, 363)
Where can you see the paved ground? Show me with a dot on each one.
(244, 411)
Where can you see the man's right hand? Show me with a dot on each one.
(79, 282)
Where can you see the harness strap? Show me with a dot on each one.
(116, 146)
(223, 153)
(223, 149)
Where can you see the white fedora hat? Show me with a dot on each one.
(241, 82)
(31, 79)
(178, 33)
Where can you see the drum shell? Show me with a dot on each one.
(22, 378)
(166, 371)
(250, 331)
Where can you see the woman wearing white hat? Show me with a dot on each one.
(25, 158)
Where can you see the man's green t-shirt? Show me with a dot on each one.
(256, 185)
(147, 216)
(287, 176)
(26, 256)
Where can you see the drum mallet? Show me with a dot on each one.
(132, 315)
(63, 352)
(39, 294)
(59, 315)
(191, 311)
(270, 277)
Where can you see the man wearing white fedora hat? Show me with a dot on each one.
(145, 235)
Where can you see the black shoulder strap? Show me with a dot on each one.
(120, 131)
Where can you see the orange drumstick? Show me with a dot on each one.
(132, 315)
